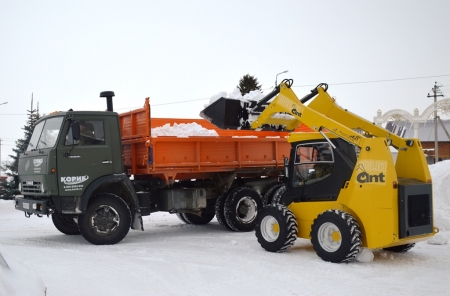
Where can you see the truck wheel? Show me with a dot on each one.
(107, 220)
(220, 211)
(336, 236)
(278, 196)
(241, 209)
(65, 224)
(197, 220)
(276, 228)
(400, 249)
(268, 196)
(181, 217)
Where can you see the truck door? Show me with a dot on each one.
(80, 162)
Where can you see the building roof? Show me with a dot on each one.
(405, 129)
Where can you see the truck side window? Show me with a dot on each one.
(92, 133)
(313, 162)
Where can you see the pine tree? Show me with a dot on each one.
(248, 83)
(21, 146)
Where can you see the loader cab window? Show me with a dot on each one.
(313, 163)
(92, 132)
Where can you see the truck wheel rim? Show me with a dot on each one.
(105, 219)
(270, 229)
(329, 237)
(246, 210)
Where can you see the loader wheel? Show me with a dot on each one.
(276, 228)
(241, 209)
(65, 224)
(107, 220)
(279, 196)
(220, 210)
(268, 196)
(400, 249)
(336, 236)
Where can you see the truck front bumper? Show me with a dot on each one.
(32, 206)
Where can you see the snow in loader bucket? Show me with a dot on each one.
(228, 113)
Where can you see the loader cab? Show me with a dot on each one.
(316, 171)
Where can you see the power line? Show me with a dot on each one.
(376, 81)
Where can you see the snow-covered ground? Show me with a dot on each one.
(172, 258)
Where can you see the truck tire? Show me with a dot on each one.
(241, 209)
(181, 217)
(65, 224)
(336, 236)
(268, 196)
(197, 220)
(107, 220)
(276, 228)
(220, 211)
(400, 249)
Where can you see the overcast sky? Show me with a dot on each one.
(67, 52)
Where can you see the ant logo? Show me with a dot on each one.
(295, 112)
(365, 177)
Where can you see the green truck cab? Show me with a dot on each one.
(73, 170)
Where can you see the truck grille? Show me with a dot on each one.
(35, 188)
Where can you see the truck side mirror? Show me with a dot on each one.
(286, 166)
(76, 130)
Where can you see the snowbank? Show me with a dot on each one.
(17, 279)
(183, 130)
(440, 174)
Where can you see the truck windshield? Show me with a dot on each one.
(45, 134)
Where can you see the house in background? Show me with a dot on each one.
(425, 134)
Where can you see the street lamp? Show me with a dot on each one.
(276, 77)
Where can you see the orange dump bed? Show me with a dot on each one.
(198, 157)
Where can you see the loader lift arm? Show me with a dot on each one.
(323, 114)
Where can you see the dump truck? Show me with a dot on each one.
(98, 173)
(342, 188)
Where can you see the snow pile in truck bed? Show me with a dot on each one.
(183, 130)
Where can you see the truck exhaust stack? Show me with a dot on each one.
(108, 95)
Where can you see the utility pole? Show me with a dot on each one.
(435, 90)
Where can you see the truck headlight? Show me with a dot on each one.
(20, 186)
(42, 187)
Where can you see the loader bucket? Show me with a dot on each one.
(224, 113)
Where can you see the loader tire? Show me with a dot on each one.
(65, 224)
(220, 211)
(107, 220)
(241, 209)
(276, 228)
(268, 196)
(400, 249)
(279, 196)
(336, 236)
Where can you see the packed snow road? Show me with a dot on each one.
(172, 258)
